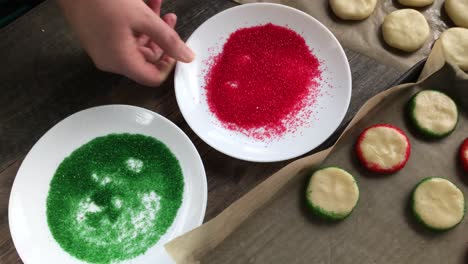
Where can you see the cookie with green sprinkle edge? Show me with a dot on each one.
(433, 113)
(432, 214)
(464, 155)
(322, 197)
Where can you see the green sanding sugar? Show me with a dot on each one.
(114, 197)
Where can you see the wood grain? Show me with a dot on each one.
(45, 77)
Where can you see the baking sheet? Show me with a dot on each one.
(365, 36)
(271, 224)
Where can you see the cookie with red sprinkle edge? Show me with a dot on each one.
(383, 148)
(464, 155)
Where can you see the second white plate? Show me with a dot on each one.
(329, 109)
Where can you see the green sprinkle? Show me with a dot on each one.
(114, 197)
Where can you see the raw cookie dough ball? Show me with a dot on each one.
(438, 204)
(405, 29)
(458, 12)
(416, 3)
(353, 9)
(455, 46)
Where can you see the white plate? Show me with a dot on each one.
(27, 207)
(329, 109)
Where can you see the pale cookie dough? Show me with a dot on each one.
(433, 113)
(438, 203)
(332, 193)
(457, 10)
(353, 9)
(383, 148)
(405, 29)
(416, 3)
(455, 46)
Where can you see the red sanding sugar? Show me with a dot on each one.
(263, 82)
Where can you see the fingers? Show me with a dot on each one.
(150, 66)
(161, 65)
(143, 72)
(167, 63)
(143, 40)
(150, 50)
(154, 54)
(155, 5)
(165, 66)
(170, 19)
(163, 35)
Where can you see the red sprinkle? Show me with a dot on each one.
(463, 155)
(262, 81)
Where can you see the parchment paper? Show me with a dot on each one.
(271, 224)
(365, 36)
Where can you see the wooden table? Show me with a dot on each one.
(45, 76)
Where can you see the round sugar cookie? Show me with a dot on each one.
(332, 193)
(455, 46)
(405, 29)
(416, 3)
(433, 113)
(438, 204)
(383, 148)
(464, 155)
(457, 10)
(353, 9)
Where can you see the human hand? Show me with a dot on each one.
(128, 37)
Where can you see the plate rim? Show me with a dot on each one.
(190, 144)
(286, 157)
